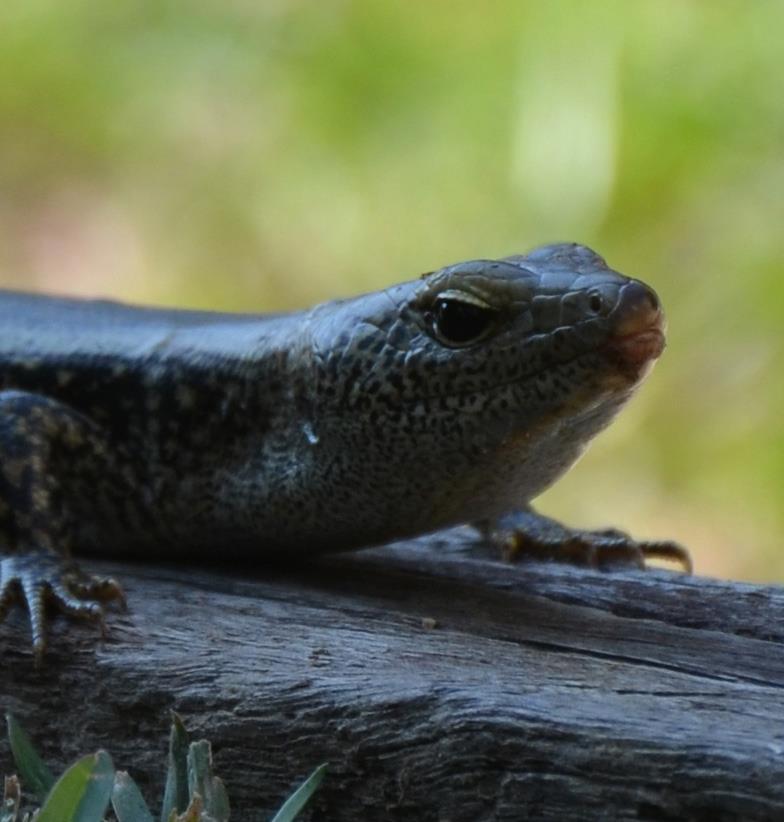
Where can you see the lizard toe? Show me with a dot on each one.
(40, 579)
(100, 589)
(528, 534)
(669, 551)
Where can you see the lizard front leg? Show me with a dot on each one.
(525, 532)
(46, 450)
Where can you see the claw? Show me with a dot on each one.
(670, 551)
(72, 605)
(530, 533)
(40, 578)
(102, 589)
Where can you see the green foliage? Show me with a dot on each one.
(83, 793)
(37, 777)
(202, 783)
(175, 795)
(297, 801)
(127, 800)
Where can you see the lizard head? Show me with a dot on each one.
(555, 327)
(523, 358)
(556, 307)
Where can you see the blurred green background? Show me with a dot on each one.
(266, 155)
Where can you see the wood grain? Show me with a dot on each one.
(439, 683)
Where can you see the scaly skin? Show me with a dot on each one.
(458, 397)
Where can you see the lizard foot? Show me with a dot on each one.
(526, 532)
(39, 579)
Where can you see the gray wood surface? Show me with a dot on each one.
(439, 683)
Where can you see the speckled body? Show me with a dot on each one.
(312, 431)
(176, 433)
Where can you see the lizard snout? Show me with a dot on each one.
(638, 309)
(637, 331)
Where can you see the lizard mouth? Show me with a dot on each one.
(637, 348)
(637, 335)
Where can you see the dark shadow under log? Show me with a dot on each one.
(439, 684)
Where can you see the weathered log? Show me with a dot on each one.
(540, 691)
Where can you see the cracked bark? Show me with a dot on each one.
(542, 691)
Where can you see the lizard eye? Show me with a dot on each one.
(458, 319)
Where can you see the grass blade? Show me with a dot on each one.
(202, 781)
(36, 776)
(127, 800)
(297, 801)
(175, 795)
(82, 793)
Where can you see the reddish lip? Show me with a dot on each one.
(638, 336)
(637, 348)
